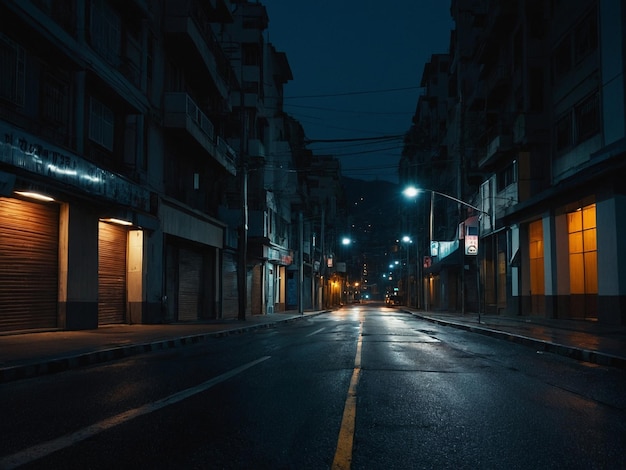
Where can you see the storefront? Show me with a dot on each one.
(193, 245)
(71, 239)
(29, 264)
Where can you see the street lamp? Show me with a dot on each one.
(412, 192)
(345, 242)
(406, 239)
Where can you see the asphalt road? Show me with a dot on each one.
(366, 386)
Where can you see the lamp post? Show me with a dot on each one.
(406, 239)
(412, 192)
(346, 242)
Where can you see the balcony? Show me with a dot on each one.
(256, 148)
(188, 19)
(497, 81)
(498, 146)
(181, 112)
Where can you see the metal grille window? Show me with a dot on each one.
(564, 132)
(13, 77)
(101, 121)
(54, 100)
(588, 118)
(562, 59)
(507, 176)
(577, 45)
(586, 37)
(106, 31)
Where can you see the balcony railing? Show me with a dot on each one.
(189, 17)
(256, 148)
(181, 112)
(498, 145)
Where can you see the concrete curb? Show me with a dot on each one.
(572, 352)
(61, 364)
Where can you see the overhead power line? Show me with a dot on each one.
(392, 113)
(387, 90)
(381, 138)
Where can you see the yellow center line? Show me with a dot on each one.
(343, 454)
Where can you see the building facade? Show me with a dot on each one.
(126, 132)
(536, 124)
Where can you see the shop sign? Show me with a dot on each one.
(22, 150)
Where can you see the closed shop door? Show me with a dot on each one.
(230, 298)
(112, 241)
(189, 277)
(29, 239)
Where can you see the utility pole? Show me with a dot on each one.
(242, 268)
(243, 246)
(323, 262)
(301, 264)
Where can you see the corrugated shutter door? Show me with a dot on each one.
(29, 240)
(230, 299)
(190, 266)
(112, 241)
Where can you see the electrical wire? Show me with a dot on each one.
(350, 93)
(357, 139)
(377, 113)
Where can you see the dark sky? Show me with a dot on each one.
(357, 66)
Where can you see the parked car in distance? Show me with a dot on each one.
(393, 300)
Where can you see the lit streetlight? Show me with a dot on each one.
(412, 192)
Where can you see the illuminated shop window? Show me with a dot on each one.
(583, 254)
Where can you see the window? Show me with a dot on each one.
(562, 59)
(583, 254)
(586, 38)
(579, 124)
(13, 76)
(536, 89)
(54, 100)
(101, 124)
(250, 86)
(564, 132)
(535, 254)
(507, 176)
(106, 31)
(60, 11)
(251, 55)
(588, 118)
(575, 46)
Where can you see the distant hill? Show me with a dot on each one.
(373, 201)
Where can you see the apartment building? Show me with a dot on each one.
(267, 166)
(113, 158)
(536, 122)
(122, 144)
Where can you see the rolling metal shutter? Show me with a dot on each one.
(29, 239)
(190, 269)
(112, 241)
(230, 297)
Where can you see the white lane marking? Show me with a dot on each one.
(41, 450)
(316, 331)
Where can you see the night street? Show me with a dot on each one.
(419, 395)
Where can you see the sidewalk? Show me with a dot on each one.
(582, 340)
(32, 354)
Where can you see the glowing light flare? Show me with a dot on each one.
(62, 171)
(34, 195)
(411, 191)
(113, 220)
